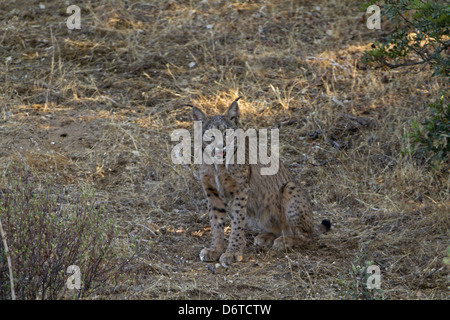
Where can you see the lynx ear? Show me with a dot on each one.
(233, 111)
(198, 114)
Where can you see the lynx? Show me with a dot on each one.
(275, 204)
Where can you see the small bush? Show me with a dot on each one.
(432, 136)
(420, 36)
(446, 259)
(354, 284)
(46, 234)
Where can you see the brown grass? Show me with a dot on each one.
(95, 107)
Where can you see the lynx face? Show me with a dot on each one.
(217, 130)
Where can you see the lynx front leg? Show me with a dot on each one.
(236, 244)
(217, 214)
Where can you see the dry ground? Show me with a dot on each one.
(95, 107)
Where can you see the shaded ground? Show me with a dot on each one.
(95, 108)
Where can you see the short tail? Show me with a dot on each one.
(323, 227)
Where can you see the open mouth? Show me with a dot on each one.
(220, 153)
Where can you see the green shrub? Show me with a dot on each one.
(46, 234)
(432, 136)
(421, 35)
(446, 259)
(353, 285)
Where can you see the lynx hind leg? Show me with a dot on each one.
(265, 239)
(298, 213)
(288, 242)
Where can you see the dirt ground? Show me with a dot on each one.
(95, 108)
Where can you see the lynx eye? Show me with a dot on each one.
(209, 136)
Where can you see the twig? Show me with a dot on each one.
(8, 258)
(430, 274)
(360, 120)
(333, 63)
(148, 229)
(320, 164)
(444, 46)
(339, 103)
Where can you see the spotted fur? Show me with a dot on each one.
(275, 204)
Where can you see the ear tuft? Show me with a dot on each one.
(198, 114)
(233, 111)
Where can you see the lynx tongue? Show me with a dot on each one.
(219, 153)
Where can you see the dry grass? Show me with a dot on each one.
(96, 107)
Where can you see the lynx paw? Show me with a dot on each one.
(282, 243)
(228, 258)
(264, 239)
(208, 254)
